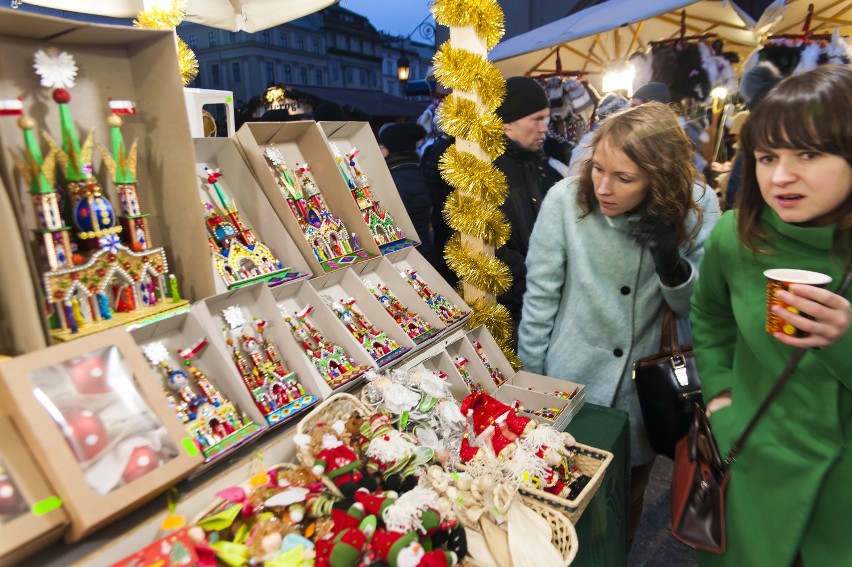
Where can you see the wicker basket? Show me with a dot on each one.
(589, 461)
(335, 407)
(564, 535)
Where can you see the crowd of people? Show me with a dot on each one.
(625, 222)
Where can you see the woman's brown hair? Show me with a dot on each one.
(806, 111)
(651, 136)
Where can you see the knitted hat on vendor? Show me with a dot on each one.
(524, 96)
(610, 104)
(401, 137)
(577, 94)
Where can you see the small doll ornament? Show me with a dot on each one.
(495, 425)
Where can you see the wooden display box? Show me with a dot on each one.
(121, 63)
(303, 143)
(342, 286)
(95, 419)
(32, 516)
(359, 135)
(242, 190)
(256, 304)
(294, 299)
(182, 332)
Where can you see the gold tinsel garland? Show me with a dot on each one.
(474, 207)
(485, 16)
(483, 220)
(479, 178)
(461, 118)
(484, 271)
(461, 70)
(168, 19)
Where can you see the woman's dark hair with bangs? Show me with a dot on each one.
(651, 136)
(806, 111)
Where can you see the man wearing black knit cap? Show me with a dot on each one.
(525, 112)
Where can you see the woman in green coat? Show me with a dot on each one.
(789, 496)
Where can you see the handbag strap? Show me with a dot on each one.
(782, 379)
(669, 342)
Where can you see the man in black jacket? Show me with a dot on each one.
(525, 113)
(399, 146)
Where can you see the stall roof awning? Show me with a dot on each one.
(372, 103)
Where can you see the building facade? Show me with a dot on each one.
(334, 47)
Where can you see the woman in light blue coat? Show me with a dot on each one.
(608, 248)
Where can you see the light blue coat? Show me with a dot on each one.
(594, 302)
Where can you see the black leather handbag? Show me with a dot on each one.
(668, 387)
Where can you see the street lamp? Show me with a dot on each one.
(403, 68)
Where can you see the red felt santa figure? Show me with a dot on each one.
(495, 423)
(338, 462)
(405, 550)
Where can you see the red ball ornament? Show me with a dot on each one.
(10, 499)
(142, 460)
(85, 433)
(89, 374)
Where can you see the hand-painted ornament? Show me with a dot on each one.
(85, 432)
(89, 375)
(143, 459)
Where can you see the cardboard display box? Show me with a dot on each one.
(31, 515)
(241, 190)
(333, 349)
(349, 136)
(266, 372)
(438, 294)
(123, 64)
(303, 143)
(228, 418)
(96, 420)
(534, 391)
(338, 290)
(20, 310)
(423, 325)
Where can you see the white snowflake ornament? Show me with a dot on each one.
(234, 316)
(57, 69)
(156, 352)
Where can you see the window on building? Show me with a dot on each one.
(389, 67)
(349, 76)
(347, 43)
(315, 45)
(363, 76)
(283, 39)
(300, 42)
(287, 73)
(303, 75)
(235, 72)
(191, 42)
(335, 74)
(211, 39)
(356, 45)
(374, 79)
(265, 37)
(318, 76)
(232, 37)
(270, 73)
(214, 74)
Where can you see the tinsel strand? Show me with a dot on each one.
(485, 221)
(168, 19)
(460, 117)
(461, 70)
(481, 270)
(485, 16)
(479, 178)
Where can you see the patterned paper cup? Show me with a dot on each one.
(781, 279)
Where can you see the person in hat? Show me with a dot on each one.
(609, 104)
(609, 249)
(658, 92)
(525, 113)
(398, 143)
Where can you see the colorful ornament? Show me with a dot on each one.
(142, 460)
(89, 374)
(412, 323)
(377, 343)
(443, 307)
(84, 431)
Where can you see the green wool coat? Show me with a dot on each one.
(790, 487)
(594, 302)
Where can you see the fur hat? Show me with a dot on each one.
(577, 94)
(758, 81)
(653, 91)
(401, 137)
(610, 104)
(524, 96)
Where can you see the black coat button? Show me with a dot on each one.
(618, 352)
(625, 290)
